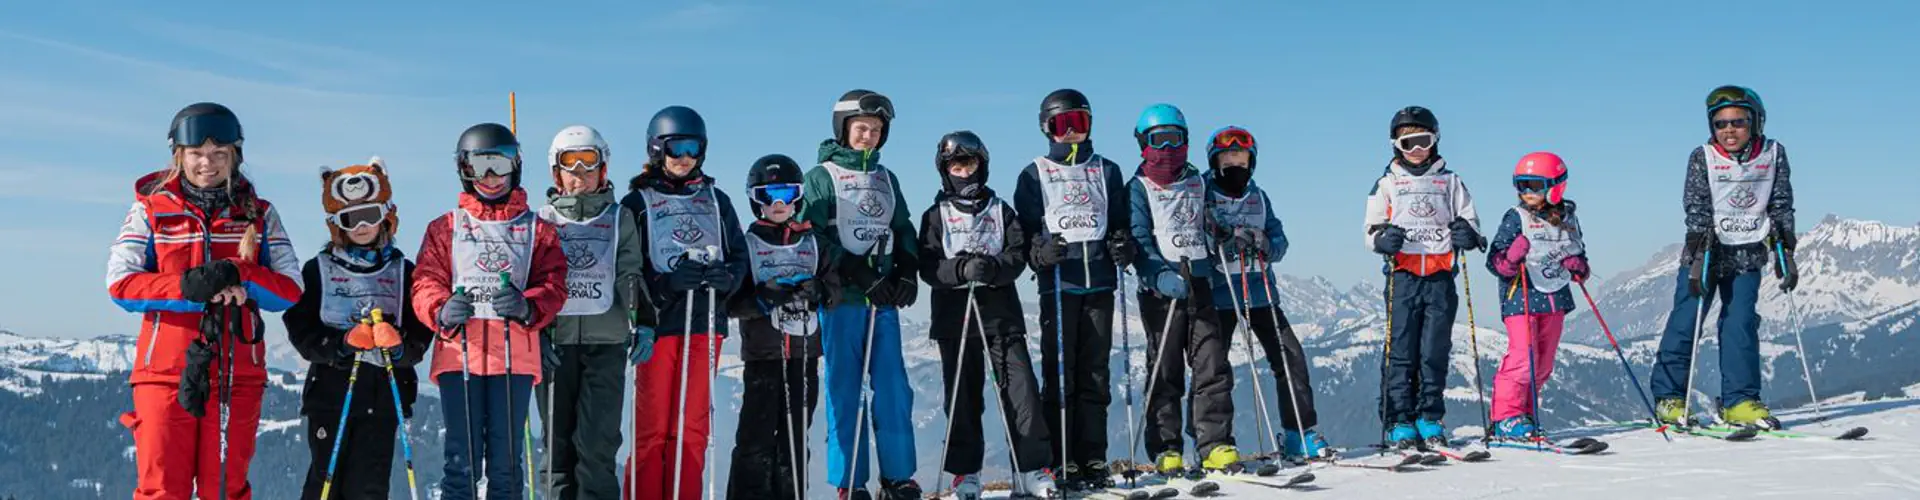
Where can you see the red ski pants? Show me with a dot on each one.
(176, 454)
(657, 417)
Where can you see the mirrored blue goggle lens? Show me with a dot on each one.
(684, 147)
(782, 193)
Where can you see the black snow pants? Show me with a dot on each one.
(1196, 338)
(776, 406)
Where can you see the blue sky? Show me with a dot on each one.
(88, 87)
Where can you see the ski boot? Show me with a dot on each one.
(1671, 411)
(1750, 414)
(1296, 446)
(1433, 434)
(1402, 436)
(966, 487)
(1095, 475)
(1221, 457)
(1069, 478)
(899, 489)
(1170, 464)
(1034, 484)
(854, 494)
(1515, 428)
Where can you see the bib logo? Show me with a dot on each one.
(686, 232)
(1082, 221)
(1422, 209)
(871, 206)
(1743, 198)
(1076, 194)
(1740, 224)
(869, 233)
(580, 256)
(1428, 234)
(494, 258)
(1184, 215)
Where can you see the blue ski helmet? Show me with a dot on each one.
(675, 122)
(1734, 95)
(1158, 115)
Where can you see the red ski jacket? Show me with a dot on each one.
(546, 293)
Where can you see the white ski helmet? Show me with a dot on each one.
(576, 138)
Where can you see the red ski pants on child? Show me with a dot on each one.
(657, 413)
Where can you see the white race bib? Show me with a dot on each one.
(591, 246)
(1547, 245)
(772, 262)
(983, 233)
(1423, 206)
(1741, 191)
(864, 209)
(1247, 211)
(1179, 224)
(1076, 199)
(347, 296)
(483, 249)
(678, 223)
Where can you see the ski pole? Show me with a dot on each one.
(713, 368)
(953, 395)
(1386, 359)
(506, 335)
(1624, 365)
(466, 395)
(999, 392)
(548, 420)
(789, 412)
(1242, 311)
(340, 430)
(1293, 399)
(1699, 328)
(1060, 368)
(1159, 351)
(399, 414)
(1126, 350)
(866, 362)
(686, 352)
(1533, 344)
(1779, 252)
(230, 315)
(1473, 339)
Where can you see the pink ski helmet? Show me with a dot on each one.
(1541, 171)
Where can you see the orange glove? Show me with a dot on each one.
(362, 337)
(385, 336)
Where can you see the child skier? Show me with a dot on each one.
(1419, 216)
(199, 256)
(868, 233)
(358, 272)
(694, 260)
(603, 324)
(490, 277)
(1072, 206)
(1735, 216)
(1252, 240)
(1171, 225)
(972, 249)
(1537, 253)
(780, 344)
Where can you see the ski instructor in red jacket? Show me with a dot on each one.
(491, 275)
(199, 257)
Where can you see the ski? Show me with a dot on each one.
(1142, 490)
(1734, 435)
(1850, 435)
(1595, 446)
(1396, 466)
(1470, 456)
(1195, 483)
(1288, 482)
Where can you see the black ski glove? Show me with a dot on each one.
(1465, 237)
(775, 293)
(721, 279)
(1252, 240)
(1120, 247)
(975, 268)
(206, 280)
(808, 292)
(549, 358)
(895, 292)
(1787, 269)
(856, 272)
(196, 385)
(1695, 250)
(1388, 238)
(687, 275)
(1048, 251)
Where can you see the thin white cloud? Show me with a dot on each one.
(703, 16)
(305, 64)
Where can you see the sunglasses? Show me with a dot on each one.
(354, 217)
(588, 159)
(502, 162)
(1735, 123)
(1070, 122)
(1166, 137)
(684, 147)
(1415, 141)
(1233, 139)
(769, 194)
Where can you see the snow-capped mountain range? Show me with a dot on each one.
(1858, 304)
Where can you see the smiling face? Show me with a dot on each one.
(364, 235)
(577, 181)
(491, 186)
(1416, 156)
(863, 132)
(207, 165)
(1732, 127)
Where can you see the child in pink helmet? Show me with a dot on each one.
(1538, 254)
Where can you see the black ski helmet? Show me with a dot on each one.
(862, 102)
(1735, 95)
(200, 121)
(773, 169)
(487, 137)
(675, 121)
(960, 144)
(1415, 116)
(1059, 102)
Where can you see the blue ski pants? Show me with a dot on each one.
(1739, 327)
(496, 439)
(889, 409)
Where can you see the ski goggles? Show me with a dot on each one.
(588, 159)
(502, 162)
(1724, 96)
(1070, 122)
(1166, 137)
(868, 105)
(193, 132)
(1415, 141)
(1233, 139)
(1734, 123)
(683, 147)
(354, 217)
(1529, 184)
(769, 194)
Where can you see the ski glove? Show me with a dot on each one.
(856, 272)
(509, 303)
(201, 283)
(721, 279)
(1465, 237)
(1388, 238)
(1170, 284)
(1120, 247)
(641, 349)
(1251, 239)
(1785, 269)
(1696, 251)
(1508, 263)
(808, 292)
(687, 275)
(361, 337)
(549, 358)
(775, 293)
(1048, 251)
(456, 311)
(975, 268)
(1577, 266)
(195, 382)
(898, 293)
